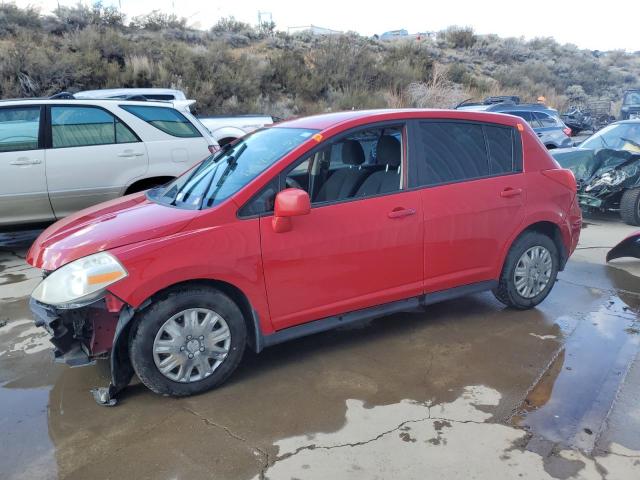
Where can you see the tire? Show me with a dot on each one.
(507, 291)
(149, 335)
(630, 207)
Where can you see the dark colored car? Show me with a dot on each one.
(607, 170)
(545, 121)
(630, 105)
(312, 224)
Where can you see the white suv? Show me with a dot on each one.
(61, 155)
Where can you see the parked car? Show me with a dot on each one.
(224, 128)
(59, 156)
(311, 224)
(607, 168)
(630, 105)
(545, 121)
(227, 129)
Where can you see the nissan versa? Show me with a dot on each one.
(299, 228)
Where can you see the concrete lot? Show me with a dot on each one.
(467, 389)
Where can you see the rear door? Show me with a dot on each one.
(181, 143)
(473, 191)
(23, 184)
(550, 131)
(92, 157)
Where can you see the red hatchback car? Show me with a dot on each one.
(299, 228)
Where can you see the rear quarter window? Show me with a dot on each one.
(168, 120)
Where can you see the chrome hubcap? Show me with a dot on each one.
(533, 272)
(191, 345)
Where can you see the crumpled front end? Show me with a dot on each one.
(79, 335)
(601, 175)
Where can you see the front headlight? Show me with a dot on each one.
(80, 282)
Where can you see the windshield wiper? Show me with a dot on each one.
(232, 162)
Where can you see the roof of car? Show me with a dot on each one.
(327, 120)
(82, 101)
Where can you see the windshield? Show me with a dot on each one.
(632, 98)
(619, 136)
(223, 174)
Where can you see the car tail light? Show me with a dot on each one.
(563, 176)
(567, 131)
(214, 148)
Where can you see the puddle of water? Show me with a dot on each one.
(571, 400)
(26, 451)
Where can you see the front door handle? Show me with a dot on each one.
(23, 161)
(401, 212)
(510, 192)
(130, 154)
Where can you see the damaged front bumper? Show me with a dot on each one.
(82, 335)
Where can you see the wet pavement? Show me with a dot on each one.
(465, 389)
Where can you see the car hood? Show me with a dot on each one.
(105, 226)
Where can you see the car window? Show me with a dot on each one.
(223, 174)
(166, 119)
(449, 152)
(76, 126)
(528, 116)
(500, 143)
(19, 128)
(362, 164)
(624, 136)
(546, 120)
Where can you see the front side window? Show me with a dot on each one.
(75, 126)
(528, 116)
(166, 119)
(362, 164)
(225, 173)
(19, 128)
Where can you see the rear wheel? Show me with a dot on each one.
(529, 271)
(187, 342)
(630, 206)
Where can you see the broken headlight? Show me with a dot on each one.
(608, 179)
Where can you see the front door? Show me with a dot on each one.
(23, 184)
(362, 243)
(91, 159)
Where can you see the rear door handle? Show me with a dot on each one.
(510, 192)
(401, 212)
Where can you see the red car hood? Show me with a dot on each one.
(105, 226)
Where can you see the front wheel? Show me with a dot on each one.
(630, 206)
(529, 271)
(187, 342)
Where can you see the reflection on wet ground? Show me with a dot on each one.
(395, 397)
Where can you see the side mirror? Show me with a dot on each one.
(291, 202)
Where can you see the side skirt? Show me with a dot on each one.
(406, 305)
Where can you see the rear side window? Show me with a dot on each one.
(450, 152)
(19, 128)
(546, 120)
(528, 116)
(168, 120)
(74, 126)
(446, 152)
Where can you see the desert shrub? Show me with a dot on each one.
(458, 37)
(157, 20)
(12, 18)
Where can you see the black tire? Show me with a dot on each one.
(630, 207)
(148, 322)
(506, 291)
